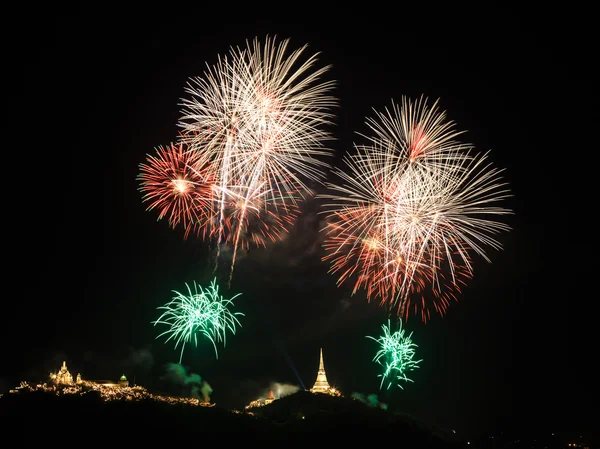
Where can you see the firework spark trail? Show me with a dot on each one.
(384, 236)
(259, 117)
(396, 355)
(201, 310)
(176, 183)
(417, 132)
(410, 209)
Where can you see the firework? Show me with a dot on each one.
(179, 186)
(259, 113)
(396, 356)
(259, 117)
(201, 311)
(254, 134)
(412, 208)
(252, 219)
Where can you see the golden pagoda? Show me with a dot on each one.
(321, 385)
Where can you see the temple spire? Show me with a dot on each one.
(321, 385)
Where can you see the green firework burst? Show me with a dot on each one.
(203, 311)
(396, 355)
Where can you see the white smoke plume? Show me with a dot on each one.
(281, 389)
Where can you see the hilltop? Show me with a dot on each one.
(302, 416)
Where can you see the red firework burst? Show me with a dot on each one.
(179, 185)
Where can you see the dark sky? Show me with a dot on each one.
(98, 90)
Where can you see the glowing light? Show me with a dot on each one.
(428, 201)
(396, 355)
(258, 117)
(254, 127)
(201, 311)
(109, 392)
(178, 185)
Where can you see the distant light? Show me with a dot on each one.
(453, 430)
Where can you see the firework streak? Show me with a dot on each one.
(253, 133)
(412, 208)
(396, 356)
(202, 311)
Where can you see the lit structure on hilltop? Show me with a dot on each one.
(62, 384)
(262, 401)
(123, 382)
(63, 376)
(108, 392)
(321, 385)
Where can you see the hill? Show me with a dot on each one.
(302, 417)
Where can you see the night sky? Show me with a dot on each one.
(97, 91)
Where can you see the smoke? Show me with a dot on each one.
(280, 390)
(299, 247)
(206, 390)
(345, 303)
(135, 363)
(191, 383)
(138, 361)
(226, 251)
(372, 400)
(141, 358)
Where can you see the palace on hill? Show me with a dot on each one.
(61, 383)
(64, 377)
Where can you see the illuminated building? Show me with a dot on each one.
(108, 392)
(321, 385)
(123, 382)
(62, 384)
(262, 401)
(270, 398)
(63, 376)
